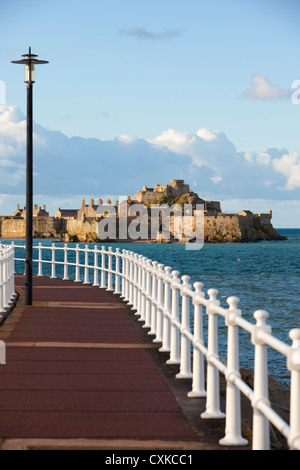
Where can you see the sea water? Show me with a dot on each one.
(264, 275)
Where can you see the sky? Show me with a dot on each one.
(141, 92)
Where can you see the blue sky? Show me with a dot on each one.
(141, 92)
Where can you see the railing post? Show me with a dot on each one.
(293, 364)
(198, 385)
(154, 298)
(185, 352)
(66, 274)
(5, 287)
(131, 274)
(103, 277)
(261, 425)
(139, 285)
(127, 272)
(175, 339)
(109, 276)
(13, 269)
(143, 290)
(213, 385)
(160, 304)
(117, 275)
(135, 282)
(233, 436)
(96, 267)
(11, 272)
(77, 267)
(123, 274)
(53, 276)
(132, 279)
(167, 309)
(147, 323)
(9, 292)
(40, 268)
(2, 309)
(86, 265)
(2, 353)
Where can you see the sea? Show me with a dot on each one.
(263, 275)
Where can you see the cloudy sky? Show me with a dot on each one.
(140, 92)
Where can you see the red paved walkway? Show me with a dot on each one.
(77, 368)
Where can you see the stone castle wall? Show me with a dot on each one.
(82, 231)
(44, 227)
(239, 228)
(220, 228)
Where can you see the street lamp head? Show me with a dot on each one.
(29, 61)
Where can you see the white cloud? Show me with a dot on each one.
(13, 133)
(208, 135)
(2, 92)
(249, 156)
(206, 146)
(216, 179)
(289, 166)
(264, 158)
(263, 89)
(127, 139)
(66, 169)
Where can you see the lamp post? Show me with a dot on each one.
(30, 60)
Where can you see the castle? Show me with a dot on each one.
(176, 192)
(81, 224)
(174, 189)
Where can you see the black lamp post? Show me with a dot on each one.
(29, 61)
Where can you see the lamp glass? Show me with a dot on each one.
(29, 73)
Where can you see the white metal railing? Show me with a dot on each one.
(7, 280)
(165, 303)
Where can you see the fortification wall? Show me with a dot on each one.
(212, 207)
(222, 228)
(81, 231)
(239, 228)
(43, 227)
(145, 197)
(13, 228)
(265, 219)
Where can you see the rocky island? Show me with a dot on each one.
(82, 224)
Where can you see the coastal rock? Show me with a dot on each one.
(239, 228)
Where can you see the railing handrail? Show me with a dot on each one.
(153, 291)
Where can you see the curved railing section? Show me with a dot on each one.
(7, 285)
(167, 304)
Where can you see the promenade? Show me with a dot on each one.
(82, 373)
